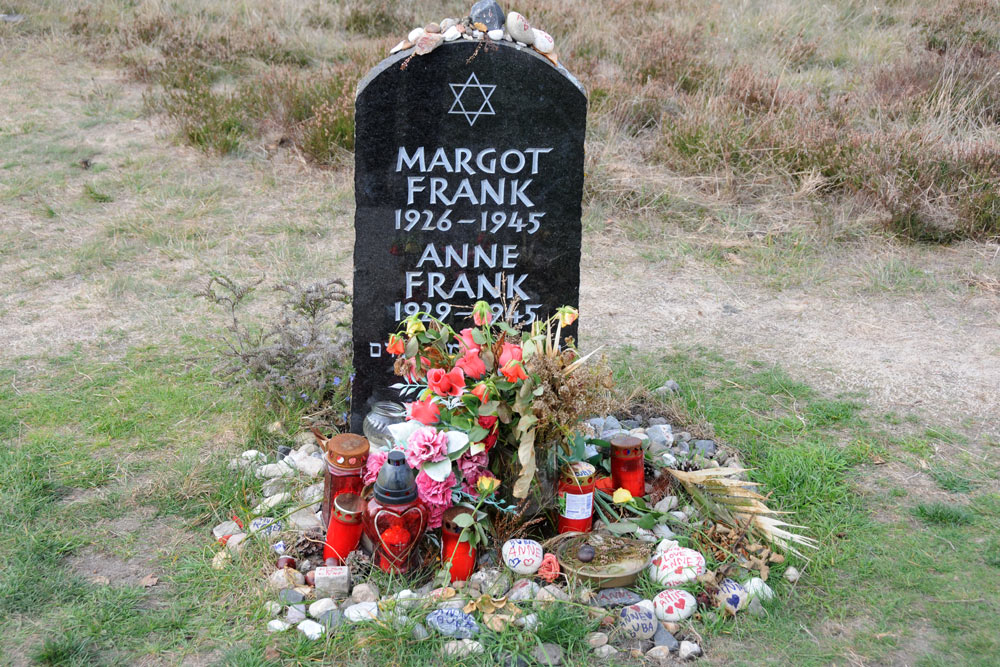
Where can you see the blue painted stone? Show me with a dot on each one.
(453, 623)
(265, 526)
(732, 596)
(488, 12)
(637, 622)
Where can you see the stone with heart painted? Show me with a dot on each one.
(673, 605)
(731, 596)
(637, 622)
(522, 556)
(676, 565)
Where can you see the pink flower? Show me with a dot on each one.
(466, 342)
(436, 495)
(472, 466)
(374, 463)
(472, 365)
(425, 444)
(510, 352)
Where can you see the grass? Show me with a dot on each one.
(944, 513)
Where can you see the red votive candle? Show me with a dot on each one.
(576, 497)
(461, 555)
(344, 531)
(627, 471)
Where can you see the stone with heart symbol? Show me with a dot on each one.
(673, 605)
(731, 596)
(676, 565)
(522, 556)
(637, 622)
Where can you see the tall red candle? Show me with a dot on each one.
(344, 531)
(346, 455)
(576, 497)
(627, 471)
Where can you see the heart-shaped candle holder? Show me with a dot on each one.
(395, 519)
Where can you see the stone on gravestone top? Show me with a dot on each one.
(468, 183)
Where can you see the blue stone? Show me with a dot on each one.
(453, 623)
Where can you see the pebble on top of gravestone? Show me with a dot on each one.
(468, 184)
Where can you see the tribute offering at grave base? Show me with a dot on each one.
(468, 181)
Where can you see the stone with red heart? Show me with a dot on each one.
(676, 565)
(522, 556)
(673, 605)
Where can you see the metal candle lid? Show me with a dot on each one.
(626, 446)
(347, 452)
(395, 484)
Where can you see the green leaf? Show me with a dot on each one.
(438, 470)
(478, 433)
(488, 409)
(647, 522)
(412, 346)
(463, 520)
(478, 337)
(622, 528)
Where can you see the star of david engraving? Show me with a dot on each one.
(467, 97)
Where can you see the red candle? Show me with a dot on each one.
(627, 471)
(344, 531)
(459, 557)
(576, 497)
(395, 518)
(396, 541)
(345, 459)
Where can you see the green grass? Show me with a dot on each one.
(944, 513)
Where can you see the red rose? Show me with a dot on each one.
(425, 412)
(396, 345)
(490, 424)
(472, 365)
(510, 352)
(446, 383)
(482, 392)
(514, 371)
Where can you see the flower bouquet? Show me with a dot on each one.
(487, 389)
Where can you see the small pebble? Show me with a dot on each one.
(548, 654)
(586, 553)
(688, 651)
(605, 651)
(792, 575)
(311, 629)
(596, 639)
(277, 626)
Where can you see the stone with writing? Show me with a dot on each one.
(637, 622)
(468, 185)
(674, 604)
(616, 597)
(522, 556)
(676, 565)
(732, 596)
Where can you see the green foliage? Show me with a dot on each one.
(944, 513)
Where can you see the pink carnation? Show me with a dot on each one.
(473, 466)
(374, 463)
(425, 444)
(436, 495)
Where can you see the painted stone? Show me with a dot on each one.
(522, 556)
(676, 565)
(674, 605)
(636, 622)
(732, 596)
(543, 41)
(519, 28)
(522, 590)
(487, 12)
(333, 581)
(453, 623)
(616, 597)
(265, 526)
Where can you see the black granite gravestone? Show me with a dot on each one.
(468, 181)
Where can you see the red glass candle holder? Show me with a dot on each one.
(461, 555)
(345, 457)
(395, 519)
(344, 530)
(576, 497)
(627, 470)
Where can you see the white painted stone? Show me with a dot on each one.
(647, 604)
(676, 565)
(523, 590)
(320, 607)
(758, 588)
(277, 626)
(311, 629)
(522, 556)
(519, 28)
(361, 612)
(637, 622)
(543, 41)
(674, 605)
(731, 596)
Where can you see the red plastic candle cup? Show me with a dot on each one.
(627, 470)
(576, 497)
(461, 555)
(344, 531)
(395, 518)
(285, 561)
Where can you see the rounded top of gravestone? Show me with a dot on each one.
(499, 49)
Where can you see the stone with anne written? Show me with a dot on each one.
(468, 184)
